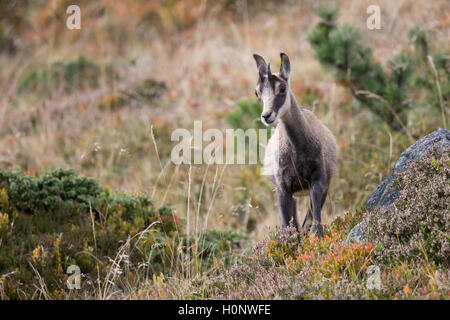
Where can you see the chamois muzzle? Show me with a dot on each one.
(268, 117)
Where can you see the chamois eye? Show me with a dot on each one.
(256, 93)
(282, 88)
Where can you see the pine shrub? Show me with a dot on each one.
(411, 78)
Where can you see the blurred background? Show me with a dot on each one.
(105, 99)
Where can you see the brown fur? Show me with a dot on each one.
(307, 156)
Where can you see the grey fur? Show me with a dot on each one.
(306, 149)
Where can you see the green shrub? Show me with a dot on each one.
(65, 192)
(60, 218)
(246, 115)
(218, 244)
(56, 191)
(389, 95)
(167, 252)
(72, 75)
(424, 78)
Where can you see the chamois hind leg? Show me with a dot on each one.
(317, 195)
(308, 218)
(294, 213)
(286, 202)
(307, 222)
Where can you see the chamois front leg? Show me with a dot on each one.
(286, 203)
(316, 195)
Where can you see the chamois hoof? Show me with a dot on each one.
(317, 229)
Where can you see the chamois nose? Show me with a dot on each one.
(267, 115)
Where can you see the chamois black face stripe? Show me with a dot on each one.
(278, 101)
(280, 98)
(272, 82)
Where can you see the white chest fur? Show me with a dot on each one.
(271, 157)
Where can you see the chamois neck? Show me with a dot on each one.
(295, 125)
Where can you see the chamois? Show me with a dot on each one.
(301, 155)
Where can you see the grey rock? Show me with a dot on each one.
(441, 137)
(357, 233)
(384, 196)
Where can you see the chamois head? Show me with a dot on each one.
(272, 89)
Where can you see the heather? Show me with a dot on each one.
(418, 225)
(291, 265)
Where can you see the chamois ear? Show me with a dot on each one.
(285, 69)
(261, 65)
